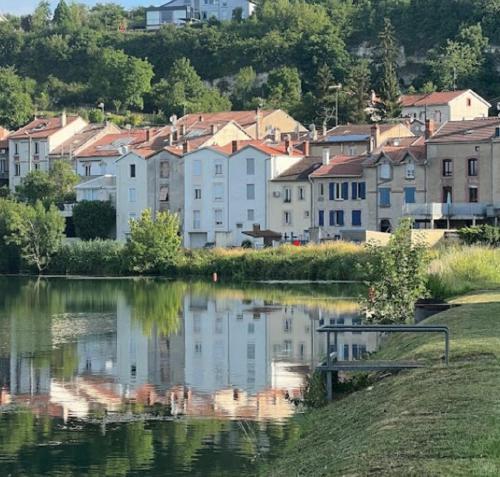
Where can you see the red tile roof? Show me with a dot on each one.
(472, 130)
(430, 99)
(41, 128)
(109, 145)
(82, 138)
(243, 118)
(341, 166)
(397, 152)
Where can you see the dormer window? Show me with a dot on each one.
(385, 171)
(410, 170)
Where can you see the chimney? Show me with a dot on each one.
(185, 147)
(235, 145)
(429, 128)
(287, 144)
(176, 136)
(64, 119)
(374, 137)
(277, 136)
(213, 129)
(305, 148)
(183, 130)
(170, 139)
(200, 118)
(258, 123)
(326, 156)
(148, 135)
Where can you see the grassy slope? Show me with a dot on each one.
(434, 421)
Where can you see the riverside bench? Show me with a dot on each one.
(332, 366)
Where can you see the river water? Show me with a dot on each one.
(148, 377)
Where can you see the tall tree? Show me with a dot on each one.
(40, 19)
(284, 88)
(16, 103)
(358, 91)
(389, 84)
(62, 16)
(244, 86)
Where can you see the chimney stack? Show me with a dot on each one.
(185, 147)
(200, 118)
(64, 119)
(148, 135)
(213, 129)
(429, 128)
(170, 139)
(374, 137)
(183, 130)
(305, 148)
(235, 145)
(326, 156)
(287, 144)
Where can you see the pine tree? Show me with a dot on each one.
(62, 16)
(389, 84)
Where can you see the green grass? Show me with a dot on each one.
(426, 422)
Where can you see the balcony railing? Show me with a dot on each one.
(437, 210)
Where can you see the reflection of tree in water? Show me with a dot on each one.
(157, 305)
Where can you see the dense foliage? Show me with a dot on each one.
(480, 234)
(287, 55)
(94, 219)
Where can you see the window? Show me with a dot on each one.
(197, 193)
(218, 217)
(164, 169)
(302, 193)
(472, 167)
(164, 194)
(88, 169)
(385, 171)
(447, 167)
(132, 170)
(336, 217)
(358, 190)
(321, 218)
(89, 194)
(321, 189)
(16, 149)
(251, 328)
(218, 169)
(250, 191)
(469, 102)
(3, 165)
(447, 194)
(132, 216)
(353, 150)
(384, 196)
(17, 171)
(287, 325)
(132, 195)
(287, 218)
(356, 218)
(473, 194)
(218, 191)
(250, 166)
(37, 166)
(250, 215)
(37, 148)
(410, 170)
(437, 116)
(287, 194)
(196, 219)
(335, 190)
(197, 168)
(409, 195)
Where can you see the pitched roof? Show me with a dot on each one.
(430, 99)
(110, 144)
(42, 127)
(243, 118)
(481, 129)
(397, 152)
(78, 140)
(300, 171)
(353, 132)
(341, 166)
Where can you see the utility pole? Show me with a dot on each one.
(337, 88)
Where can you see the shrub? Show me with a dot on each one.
(480, 234)
(94, 257)
(94, 219)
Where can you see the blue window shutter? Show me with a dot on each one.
(340, 217)
(332, 217)
(345, 190)
(331, 190)
(409, 195)
(356, 217)
(354, 190)
(362, 190)
(385, 196)
(321, 218)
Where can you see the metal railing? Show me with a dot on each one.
(440, 210)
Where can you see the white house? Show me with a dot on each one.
(444, 106)
(30, 146)
(226, 190)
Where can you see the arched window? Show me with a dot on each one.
(472, 167)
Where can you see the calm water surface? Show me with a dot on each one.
(144, 377)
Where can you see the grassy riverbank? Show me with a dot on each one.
(434, 421)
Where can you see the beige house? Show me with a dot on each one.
(290, 200)
(339, 197)
(356, 139)
(30, 146)
(395, 178)
(463, 176)
(444, 106)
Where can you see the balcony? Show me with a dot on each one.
(457, 210)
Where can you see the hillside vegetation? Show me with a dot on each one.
(76, 56)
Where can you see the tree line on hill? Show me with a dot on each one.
(291, 54)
